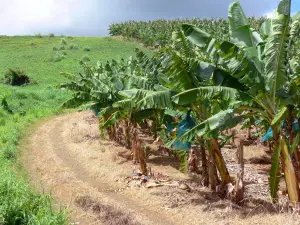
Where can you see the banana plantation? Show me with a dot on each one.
(206, 78)
(159, 32)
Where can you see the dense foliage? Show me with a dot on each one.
(219, 73)
(159, 32)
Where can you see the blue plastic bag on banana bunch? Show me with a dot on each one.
(296, 127)
(169, 125)
(269, 133)
(185, 125)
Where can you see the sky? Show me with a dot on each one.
(93, 17)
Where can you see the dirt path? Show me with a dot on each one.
(55, 164)
(66, 157)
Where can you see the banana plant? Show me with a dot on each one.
(233, 74)
(186, 70)
(263, 72)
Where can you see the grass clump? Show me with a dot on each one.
(38, 35)
(9, 152)
(87, 49)
(57, 57)
(16, 77)
(63, 41)
(73, 47)
(62, 47)
(55, 48)
(85, 58)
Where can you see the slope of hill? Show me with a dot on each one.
(41, 60)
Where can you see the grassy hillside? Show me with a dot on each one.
(35, 54)
(38, 57)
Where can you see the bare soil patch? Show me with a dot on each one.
(93, 178)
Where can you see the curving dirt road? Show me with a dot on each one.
(63, 158)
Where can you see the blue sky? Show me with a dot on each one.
(296, 6)
(92, 17)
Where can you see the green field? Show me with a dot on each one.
(20, 204)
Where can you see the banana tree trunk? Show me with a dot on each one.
(111, 133)
(212, 173)
(249, 133)
(135, 147)
(142, 158)
(220, 162)
(193, 162)
(204, 166)
(127, 134)
(289, 173)
(155, 126)
(289, 121)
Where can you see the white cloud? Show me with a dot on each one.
(24, 17)
(93, 17)
(269, 14)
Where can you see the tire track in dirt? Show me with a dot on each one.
(52, 164)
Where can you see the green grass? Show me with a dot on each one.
(33, 54)
(19, 202)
